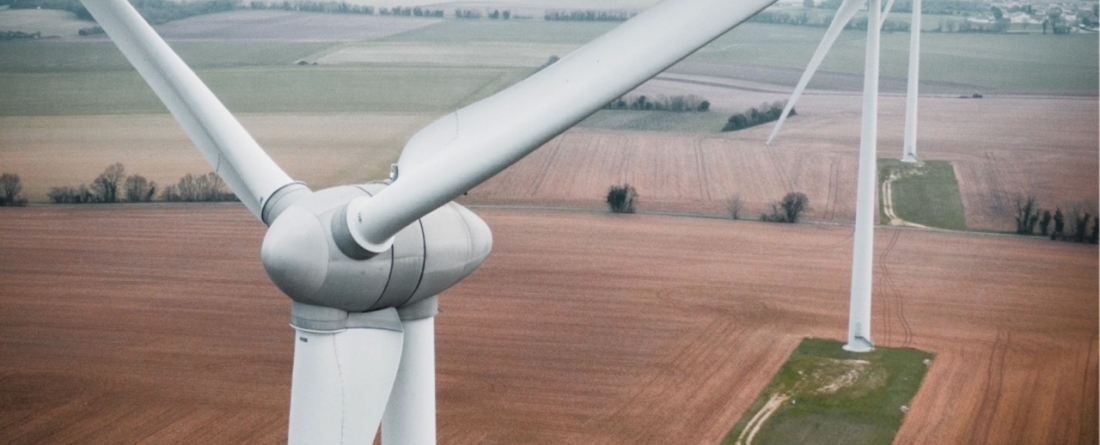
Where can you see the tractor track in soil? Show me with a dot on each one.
(991, 394)
(892, 289)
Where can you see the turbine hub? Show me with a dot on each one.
(301, 254)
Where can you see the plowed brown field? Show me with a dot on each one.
(157, 324)
(1001, 148)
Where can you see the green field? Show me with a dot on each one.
(926, 193)
(1010, 62)
(81, 77)
(830, 396)
(275, 89)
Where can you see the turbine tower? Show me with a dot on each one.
(909, 147)
(364, 264)
(859, 317)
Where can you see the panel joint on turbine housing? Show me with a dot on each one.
(320, 319)
(426, 308)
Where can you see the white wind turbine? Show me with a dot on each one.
(859, 318)
(364, 264)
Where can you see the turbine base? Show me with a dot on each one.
(859, 344)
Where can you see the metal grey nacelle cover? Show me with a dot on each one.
(427, 257)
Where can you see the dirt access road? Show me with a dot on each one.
(157, 324)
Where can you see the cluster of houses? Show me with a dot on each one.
(1059, 17)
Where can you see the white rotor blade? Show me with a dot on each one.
(463, 149)
(225, 144)
(885, 12)
(410, 413)
(844, 15)
(341, 382)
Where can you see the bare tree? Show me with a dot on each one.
(1059, 224)
(734, 205)
(138, 189)
(1026, 215)
(191, 188)
(793, 204)
(10, 189)
(106, 185)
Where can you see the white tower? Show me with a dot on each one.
(859, 315)
(909, 152)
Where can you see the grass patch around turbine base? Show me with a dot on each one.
(826, 395)
(924, 193)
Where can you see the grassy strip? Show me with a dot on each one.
(926, 193)
(835, 396)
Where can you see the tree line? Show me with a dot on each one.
(114, 185)
(755, 116)
(1058, 226)
(588, 15)
(680, 103)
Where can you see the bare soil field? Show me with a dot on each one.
(157, 324)
(1000, 147)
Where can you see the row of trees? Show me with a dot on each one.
(326, 7)
(19, 35)
(621, 198)
(113, 185)
(681, 103)
(755, 116)
(1029, 217)
(588, 15)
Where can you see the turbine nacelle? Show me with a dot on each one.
(305, 253)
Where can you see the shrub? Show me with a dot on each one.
(621, 198)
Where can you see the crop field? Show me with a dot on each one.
(286, 89)
(579, 328)
(51, 23)
(1026, 62)
(1000, 148)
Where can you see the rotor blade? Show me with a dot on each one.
(844, 14)
(341, 382)
(225, 144)
(459, 151)
(885, 12)
(410, 414)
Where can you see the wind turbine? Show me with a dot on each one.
(364, 264)
(859, 316)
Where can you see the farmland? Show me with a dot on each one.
(581, 327)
